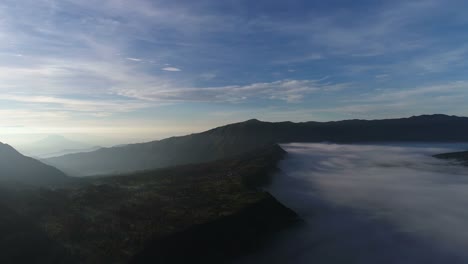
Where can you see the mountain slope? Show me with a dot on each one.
(16, 168)
(234, 139)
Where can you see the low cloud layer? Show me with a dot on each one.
(372, 204)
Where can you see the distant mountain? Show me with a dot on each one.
(461, 157)
(54, 145)
(68, 151)
(234, 139)
(16, 168)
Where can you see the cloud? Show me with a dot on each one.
(445, 97)
(96, 107)
(171, 69)
(382, 32)
(77, 56)
(134, 59)
(459, 88)
(442, 61)
(283, 90)
(396, 204)
(208, 76)
(299, 59)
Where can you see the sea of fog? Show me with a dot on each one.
(386, 203)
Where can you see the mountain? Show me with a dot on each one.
(54, 145)
(16, 168)
(68, 151)
(201, 213)
(234, 139)
(461, 157)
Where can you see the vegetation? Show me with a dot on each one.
(22, 241)
(117, 219)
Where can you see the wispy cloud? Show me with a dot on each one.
(98, 106)
(134, 59)
(459, 88)
(171, 69)
(283, 90)
(118, 57)
(442, 61)
(299, 59)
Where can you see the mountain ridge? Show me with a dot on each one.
(233, 139)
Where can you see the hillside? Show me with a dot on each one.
(457, 156)
(234, 139)
(16, 168)
(154, 216)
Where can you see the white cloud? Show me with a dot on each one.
(134, 59)
(171, 69)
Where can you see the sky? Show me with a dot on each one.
(116, 70)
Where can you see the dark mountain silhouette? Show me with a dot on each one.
(234, 139)
(16, 168)
(461, 157)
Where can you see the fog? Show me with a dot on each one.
(371, 204)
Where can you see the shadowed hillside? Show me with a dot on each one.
(22, 242)
(16, 168)
(234, 139)
(115, 219)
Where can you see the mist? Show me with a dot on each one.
(371, 204)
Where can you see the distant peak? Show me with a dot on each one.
(253, 121)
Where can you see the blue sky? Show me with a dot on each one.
(146, 69)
